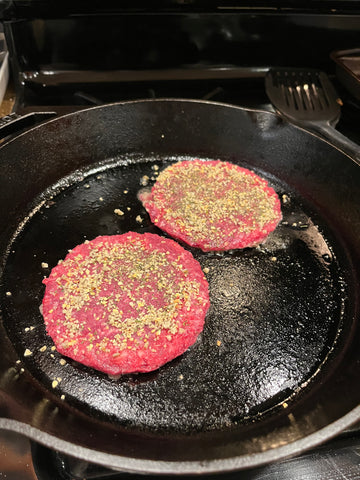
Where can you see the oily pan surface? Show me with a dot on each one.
(262, 339)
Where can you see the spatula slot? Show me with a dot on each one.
(302, 94)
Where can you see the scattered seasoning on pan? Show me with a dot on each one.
(8, 294)
(291, 418)
(213, 205)
(44, 265)
(43, 349)
(119, 212)
(28, 353)
(125, 303)
(139, 219)
(144, 180)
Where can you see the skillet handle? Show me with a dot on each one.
(13, 123)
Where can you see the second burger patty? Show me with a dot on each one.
(213, 205)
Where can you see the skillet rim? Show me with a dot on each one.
(181, 467)
(178, 100)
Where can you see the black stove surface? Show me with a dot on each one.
(22, 459)
(246, 92)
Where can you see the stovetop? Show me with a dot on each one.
(258, 40)
(246, 92)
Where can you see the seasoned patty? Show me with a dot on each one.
(213, 205)
(125, 303)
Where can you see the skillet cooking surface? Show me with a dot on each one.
(263, 337)
(276, 368)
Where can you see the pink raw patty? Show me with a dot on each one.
(125, 303)
(213, 205)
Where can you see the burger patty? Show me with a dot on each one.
(213, 205)
(125, 303)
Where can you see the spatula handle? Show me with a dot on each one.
(338, 140)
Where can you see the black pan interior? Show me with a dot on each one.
(278, 357)
(275, 313)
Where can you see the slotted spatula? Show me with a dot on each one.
(308, 99)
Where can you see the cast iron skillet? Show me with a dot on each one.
(276, 368)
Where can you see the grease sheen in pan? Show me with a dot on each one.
(275, 313)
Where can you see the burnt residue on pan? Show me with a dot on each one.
(276, 310)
